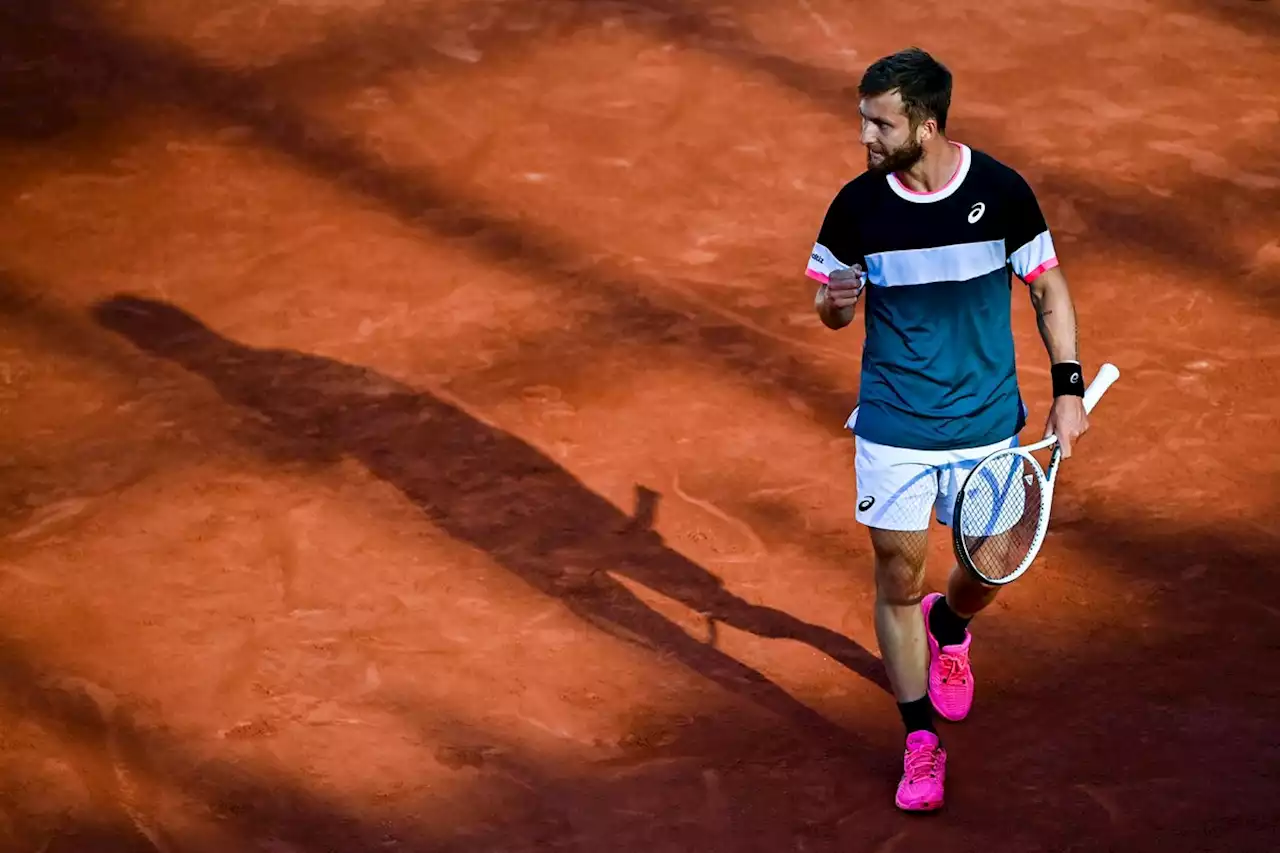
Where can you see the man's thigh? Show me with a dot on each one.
(896, 487)
(1000, 484)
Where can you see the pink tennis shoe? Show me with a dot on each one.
(924, 773)
(950, 676)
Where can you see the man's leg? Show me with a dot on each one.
(966, 598)
(951, 685)
(901, 632)
(896, 494)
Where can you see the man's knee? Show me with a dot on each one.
(899, 582)
(899, 557)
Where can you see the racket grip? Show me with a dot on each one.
(1107, 374)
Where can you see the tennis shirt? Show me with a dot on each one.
(938, 368)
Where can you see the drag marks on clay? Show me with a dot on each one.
(1106, 800)
(758, 548)
(1211, 164)
(891, 844)
(280, 539)
(46, 495)
(90, 711)
(549, 402)
(241, 664)
(58, 515)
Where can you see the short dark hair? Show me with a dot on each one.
(923, 83)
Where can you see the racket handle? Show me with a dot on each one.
(1107, 374)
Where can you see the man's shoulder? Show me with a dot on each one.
(863, 187)
(987, 168)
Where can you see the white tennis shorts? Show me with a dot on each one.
(898, 488)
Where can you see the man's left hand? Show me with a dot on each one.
(1068, 421)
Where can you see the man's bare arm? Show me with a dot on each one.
(1056, 316)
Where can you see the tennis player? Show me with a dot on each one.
(926, 237)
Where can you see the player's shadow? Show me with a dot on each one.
(33, 106)
(488, 488)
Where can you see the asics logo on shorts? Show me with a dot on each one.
(867, 504)
(976, 212)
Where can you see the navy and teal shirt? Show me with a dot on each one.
(938, 368)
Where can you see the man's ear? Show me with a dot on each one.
(926, 130)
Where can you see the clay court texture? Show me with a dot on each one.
(417, 435)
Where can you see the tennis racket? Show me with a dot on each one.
(1002, 510)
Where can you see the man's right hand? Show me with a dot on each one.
(844, 288)
(837, 299)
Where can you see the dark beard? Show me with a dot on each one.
(900, 160)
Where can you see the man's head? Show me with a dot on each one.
(904, 98)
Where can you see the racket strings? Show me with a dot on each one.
(1000, 515)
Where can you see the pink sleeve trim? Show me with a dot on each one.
(1045, 267)
(822, 277)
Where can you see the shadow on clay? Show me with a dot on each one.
(138, 778)
(724, 790)
(1251, 17)
(34, 107)
(486, 487)
(639, 307)
(141, 788)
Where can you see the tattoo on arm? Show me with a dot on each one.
(1052, 329)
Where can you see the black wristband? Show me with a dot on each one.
(1067, 379)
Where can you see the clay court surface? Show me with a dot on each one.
(417, 435)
